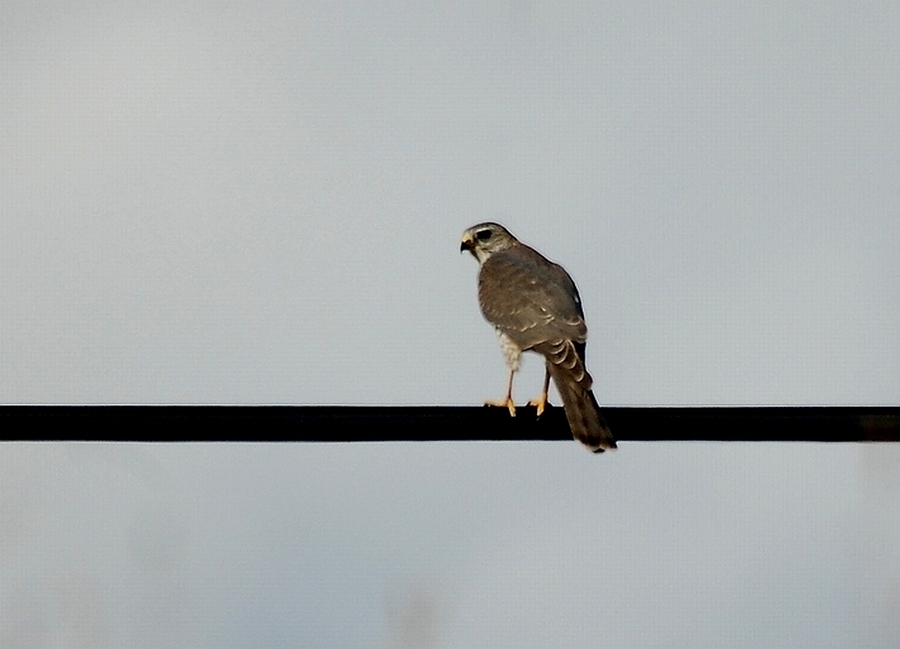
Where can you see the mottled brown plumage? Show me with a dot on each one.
(534, 305)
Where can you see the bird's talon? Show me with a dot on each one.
(540, 404)
(509, 404)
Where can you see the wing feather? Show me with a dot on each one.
(529, 298)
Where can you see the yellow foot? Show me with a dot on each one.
(540, 403)
(507, 403)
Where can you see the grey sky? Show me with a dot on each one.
(232, 203)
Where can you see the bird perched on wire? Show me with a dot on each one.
(534, 305)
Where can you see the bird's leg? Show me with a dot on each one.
(541, 402)
(507, 403)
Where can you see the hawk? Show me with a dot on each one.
(534, 306)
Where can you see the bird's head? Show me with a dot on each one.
(485, 239)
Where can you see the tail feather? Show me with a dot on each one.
(582, 410)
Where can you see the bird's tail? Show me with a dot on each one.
(582, 410)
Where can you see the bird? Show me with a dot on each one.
(534, 305)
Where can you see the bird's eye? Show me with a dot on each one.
(483, 235)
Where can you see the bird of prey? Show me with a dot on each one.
(534, 305)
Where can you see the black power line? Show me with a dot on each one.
(442, 423)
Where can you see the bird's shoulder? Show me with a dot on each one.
(522, 268)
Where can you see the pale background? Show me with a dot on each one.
(261, 203)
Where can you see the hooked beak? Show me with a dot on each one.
(468, 243)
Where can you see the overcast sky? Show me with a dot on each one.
(244, 203)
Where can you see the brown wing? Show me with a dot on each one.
(530, 299)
